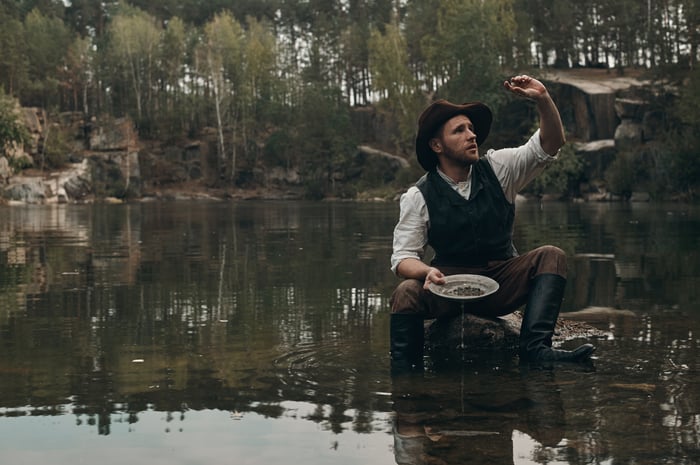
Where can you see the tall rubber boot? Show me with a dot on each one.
(406, 335)
(541, 313)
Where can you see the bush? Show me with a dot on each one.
(676, 168)
(560, 178)
(56, 148)
(622, 175)
(12, 131)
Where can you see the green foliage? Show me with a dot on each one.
(46, 41)
(388, 62)
(12, 131)
(676, 169)
(134, 37)
(465, 50)
(666, 167)
(626, 174)
(278, 149)
(56, 148)
(688, 107)
(323, 140)
(561, 177)
(13, 59)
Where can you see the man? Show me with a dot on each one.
(464, 208)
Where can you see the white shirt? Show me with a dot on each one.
(514, 168)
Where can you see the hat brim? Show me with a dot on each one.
(437, 114)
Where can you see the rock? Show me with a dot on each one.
(279, 174)
(472, 332)
(70, 184)
(107, 136)
(587, 112)
(630, 108)
(399, 162)
(116, 174)
(26, 190)
(34, 119)
(78, 186)
(587, 100)
(597, 156)
(628, 134)
(5, 171)
(592, 280)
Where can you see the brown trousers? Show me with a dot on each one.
(513, 276)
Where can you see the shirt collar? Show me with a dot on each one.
(452, 183)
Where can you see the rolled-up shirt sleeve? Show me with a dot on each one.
(411, 231)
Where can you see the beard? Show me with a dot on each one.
(463, 158)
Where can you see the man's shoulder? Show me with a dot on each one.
(422, 180)
(412, 191)
(413, 196)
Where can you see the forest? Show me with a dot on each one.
(277, 81)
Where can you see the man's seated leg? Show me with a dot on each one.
(406, 326)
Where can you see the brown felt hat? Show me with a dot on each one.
(437, 114)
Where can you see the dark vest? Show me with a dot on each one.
(468, 232)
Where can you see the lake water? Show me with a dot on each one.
(257, 333)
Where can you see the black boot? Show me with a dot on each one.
(540, 317)
(406, 342)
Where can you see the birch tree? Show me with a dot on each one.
(134, 41)
(75, 73)
(258, 76)
(222, 54)
(172, 56)
(392, 78)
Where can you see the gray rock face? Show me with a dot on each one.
(69, 185)
(628, 134)
(5, 171)
(119, 134)
(26, 191)
(109, 168)
(473, 333)
(597, 155)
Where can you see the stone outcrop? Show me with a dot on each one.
(628, 133)
(597, 156)
(606, 115)
(111, 136)
(587, 101)
(396, 161)
(103, 162)
(71, 184)
(473, 333)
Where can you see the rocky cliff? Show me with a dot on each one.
(606, 114)
(603, 114)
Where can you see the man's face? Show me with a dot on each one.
(455, 143)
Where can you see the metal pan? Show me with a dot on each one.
(465, 287)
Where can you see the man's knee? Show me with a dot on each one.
(407, 297)
(550, 259)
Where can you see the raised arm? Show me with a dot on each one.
(551, 128)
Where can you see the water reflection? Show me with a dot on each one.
(131, 321)
(482, 413)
